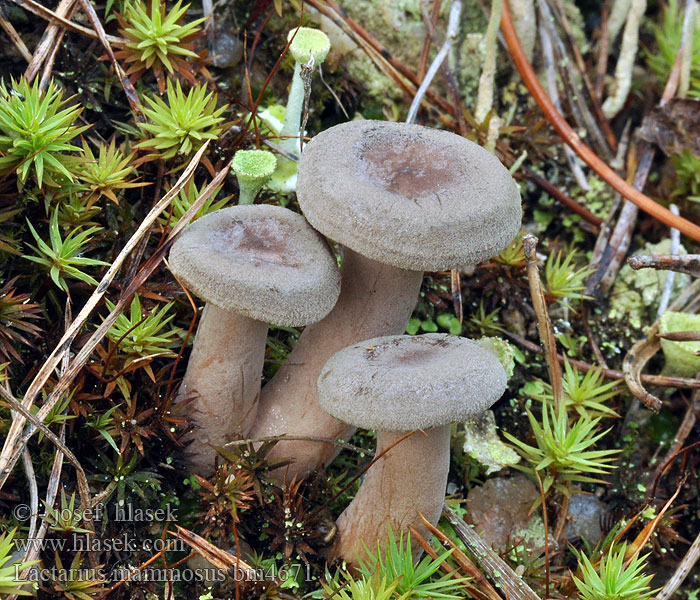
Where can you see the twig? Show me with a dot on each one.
(304, 438)
(670, 276)
(613, 255)
(681, 263)
(479, 587)
(488, 560)
(548, 58)
(430, 21)
(682, 571)
(16, 38)
(544, 325)
(33, 492)
(603, 52)
(655, 380)
(680, 336)
(451, 35)
(684, 430)
(10, 448)
(559, 195)
(637, 357)
(572, 139)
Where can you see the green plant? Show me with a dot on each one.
(67, 518)
(77, 582)
(35, 131)
(586, 393)
(63, 258)
(562, 452)
(139, 335)
(613, 579)
(395, 564)
(121, 475)
(182, 125)
(106, 174)
(485, 323)
(563, 281)
(365, 587)
(15, 314)
(157, 40)
(668, 39)
(9, 568)
(687, 167)
(185, 198)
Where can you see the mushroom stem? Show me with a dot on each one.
(375, 300)
(222, 382)
(409, 479)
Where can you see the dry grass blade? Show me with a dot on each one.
(16, 39)
(49, 40)
(682, 571)
(216, 556)
(41, 11)
(498, 570)
(83, 487)
(9, 451)
(574, 141)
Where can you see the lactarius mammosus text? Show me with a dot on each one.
(401, 199)
(394, 385)
(253, 265)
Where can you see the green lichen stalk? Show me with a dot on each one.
(253, 169)
(306, 44)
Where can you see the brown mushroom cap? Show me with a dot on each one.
(409, 196)
(263, 262)
(402, 382)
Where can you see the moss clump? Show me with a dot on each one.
(680, 356)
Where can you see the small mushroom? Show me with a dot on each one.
(402, 199)
(253, 265)
(395, 385)
(307, 44)
(253, 168)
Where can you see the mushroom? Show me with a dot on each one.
(395, 385)
(253, 265)
(402, 199)
(253, 168)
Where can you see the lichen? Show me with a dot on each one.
(503, 350)
(636, 294)
(482, 443)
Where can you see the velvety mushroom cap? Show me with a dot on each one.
(401, 383)
(409, 196)
(264, 262)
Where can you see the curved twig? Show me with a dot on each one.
(574, 141)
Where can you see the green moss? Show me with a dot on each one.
(680, 356)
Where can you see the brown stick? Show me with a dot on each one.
(500, 572)
(544, 325)
(655, 380)
(681, 263)
(574, 141)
